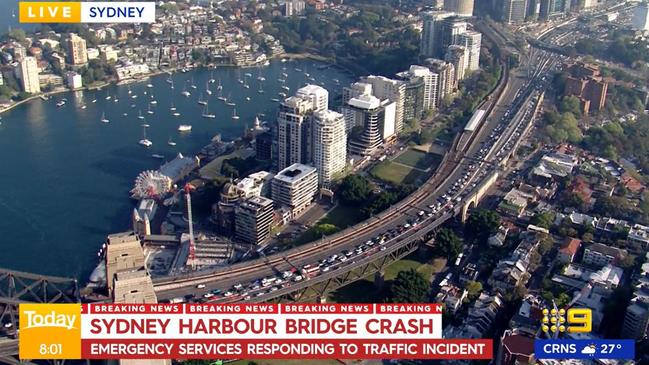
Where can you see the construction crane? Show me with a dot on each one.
(192, 246)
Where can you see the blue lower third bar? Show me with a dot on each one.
(584, 349)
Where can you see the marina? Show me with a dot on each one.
(84, 168)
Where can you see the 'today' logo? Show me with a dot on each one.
(52, 319)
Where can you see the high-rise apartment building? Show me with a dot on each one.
(446, 72)
(414, 100)
(636, 320)
(431, 40)
(318, 96)
(295, 187)
(394, 90)
(375, 121)
(458, 57)
(254, 217)
(460, 7)
(78, 55)
(641, 17)
(28, 75)
(329, 145)
(472, 40)
(451, 30)
(294, 131)
(514, 11)
(431, 85)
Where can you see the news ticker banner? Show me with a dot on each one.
(235, 331)
(86, 12)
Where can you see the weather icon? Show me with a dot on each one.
(589, 350)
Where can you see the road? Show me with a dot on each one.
(404, 213)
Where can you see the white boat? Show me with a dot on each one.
(275, 100)
(116, 100)
(169, 80)
(149, 86)
(184, 128)
(145, 125)
(125, 114)
(83, 106)
(219, 86)
(60, 103)
(94, 100)
(154, 102)
(173, 108)
(261, 78)
(149, 111)
(129, 90)
(234, 115)
(185, 92)
(282, 94)
(231, 103)
(133, 96)
(247, 98)
(176, 114)
(261, 90)
(207, 88)
(144, 141)
(206, 113)
(284, 74)
(108, 97)
(139, 115)
(171, 143)
(201, 101)
(193, 86)
(211, 80)
(286, 88)
(248, 74)
(159, 157)
(281, 80)
(222, 98)
(104, 119)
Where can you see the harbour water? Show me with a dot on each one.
(65, 175)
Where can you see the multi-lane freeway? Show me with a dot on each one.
(461, 172)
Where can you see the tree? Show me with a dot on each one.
(570, 104)
(447, 244)
(546, 245)
(325, 229)
(355, 189)
(544, 219)
(409, 287)
(482, 224)
(473, 288)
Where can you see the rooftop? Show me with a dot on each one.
(294, 172)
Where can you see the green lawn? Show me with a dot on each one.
(419, 159)
(364, 291)
(341, 216)
(394, 173)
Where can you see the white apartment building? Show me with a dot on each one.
(329, 145)
(318, 96)
(293, 131)
(295, 187)
(394, 90)
(28, 75)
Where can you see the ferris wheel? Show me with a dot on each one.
(151, 184)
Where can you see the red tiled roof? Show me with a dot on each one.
(570, 246)
(522, 347)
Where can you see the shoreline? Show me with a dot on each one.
(158, 72)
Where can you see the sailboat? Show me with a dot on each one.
(260, 78)
(261, 90)
(169, 80)
(206, 113)
(149, 111)
(129, 90)
(211, 80)
(228, 102)
(234, 115)
(219, 86)
(201, 101)
(193, 86)
(173, 107)
(139, 115)
(185, 92)
(144, 141)
(221, 97)
(207, 88)
(104, 119)
(108, 97)
(170, 142)
(184, 128)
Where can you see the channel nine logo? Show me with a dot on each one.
(573, 320)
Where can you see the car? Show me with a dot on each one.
(297, 278)
(200, 286)
(343, 258)
(208, 295)
(287, 274)
(325, 269)
(238, 287)
(216, 291)
(260, 294)
(247, 297)
(273, 289)
(228, 294)
(382, 248)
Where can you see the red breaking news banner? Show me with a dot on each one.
(251, 330)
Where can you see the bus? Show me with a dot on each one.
(459, 259)
(310, 270)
